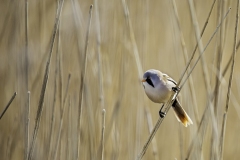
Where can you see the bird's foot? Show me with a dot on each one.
(175, 89)
(161, 113)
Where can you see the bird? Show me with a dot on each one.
(159, 87)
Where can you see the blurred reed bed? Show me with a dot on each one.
(99, 66)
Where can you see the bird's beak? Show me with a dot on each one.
(144, 80)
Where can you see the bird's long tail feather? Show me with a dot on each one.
(180, 113)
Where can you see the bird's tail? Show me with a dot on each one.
(180, 114)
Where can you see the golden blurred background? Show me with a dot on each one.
(150, 34)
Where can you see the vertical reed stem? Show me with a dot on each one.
(84, 66)
(229, 86)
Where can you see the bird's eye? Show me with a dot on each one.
(149, 81)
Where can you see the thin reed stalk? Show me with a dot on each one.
(199, 57)
(5, 109)
(45, 81)
(139, 66)
(229, 86)
(62, 117)
(204, 117)
(103, 131)
(114, 115)
(139, 69)
(101, 93)
(57, 68)
(219, 59)
(116, 107)
(229, 61)
(26, 79)
(196, 46)
(154, 131)
(191, 86)
(132, 38)
(225, 69)
(150, 127)
(26, 41)
(84, 66)
(69, 146)
(181, 139)
(219, 54)
(206, 79)
(27, 125)
(91, 123)
(200, 132)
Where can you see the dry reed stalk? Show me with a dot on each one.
(191, 86)
(238, 83)
(133, 41)
(233, 98)
(112, 119)
(200, 132)
(28, 93)
(78, 23)
(103, 131)
(101, 92)
(5, 109)
(200, 45)
(229, 86)
(60, 85)
(140, 72)
(61, 82)
(221, 77)
(57, 68)
(181, 139)
(116, 107)
(229, 61)
(91, 123)
(45, 81)
(26, 41)
(153, 132)
(203, 119)
(173, 96)
(6, 20)
(138, 63)
(196, 46)
(69, 149)
(150, 127)
(219, 52)
(62, 117)
(84, 66)
(146, 23)
(27, 125)
(206, 79)
(219, 59)
(199, 57)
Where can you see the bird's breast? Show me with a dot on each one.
(158, 94)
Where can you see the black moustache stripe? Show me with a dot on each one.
(149, 82)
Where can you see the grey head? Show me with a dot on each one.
(152, 77)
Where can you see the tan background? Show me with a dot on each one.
(159, 46)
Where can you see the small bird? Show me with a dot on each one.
(158, 87)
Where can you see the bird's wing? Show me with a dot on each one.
(167, 79)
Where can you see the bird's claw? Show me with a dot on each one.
(162, 114)
(175, 89)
